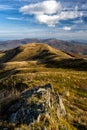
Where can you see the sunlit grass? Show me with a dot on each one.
(63, 81)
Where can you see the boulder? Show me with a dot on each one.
(35, 102)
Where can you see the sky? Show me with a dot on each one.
(61, 19)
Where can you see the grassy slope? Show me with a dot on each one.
(70, 83)
(32, 51)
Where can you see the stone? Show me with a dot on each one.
(34, 103)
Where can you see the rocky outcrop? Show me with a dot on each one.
(34, 103)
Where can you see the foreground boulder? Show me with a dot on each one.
(40, 105)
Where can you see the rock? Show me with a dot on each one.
(34, 103)
(62, 110)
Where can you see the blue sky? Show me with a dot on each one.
(61, 19)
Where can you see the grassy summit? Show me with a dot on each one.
(32, 51)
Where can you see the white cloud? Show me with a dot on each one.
(78, 21)
(50, 12)
(45, 7)
(67, 28)
(49, 20)
(5, 7)
(15, 18)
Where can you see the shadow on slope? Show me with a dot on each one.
(77, 64)
(9, 55)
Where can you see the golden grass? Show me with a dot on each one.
(73, 82)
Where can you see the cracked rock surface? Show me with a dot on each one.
(35, 102)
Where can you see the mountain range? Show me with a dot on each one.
(67, 46)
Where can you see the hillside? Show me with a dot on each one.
(26, 69)
(44, 54)
(76, 47)
(31, 52)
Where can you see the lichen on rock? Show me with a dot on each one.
(39, 104)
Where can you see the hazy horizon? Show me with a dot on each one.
(68, 40)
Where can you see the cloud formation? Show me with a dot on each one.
(46, 7)
(67, 28)
(15, 18)
(50, 12)
(5, 7)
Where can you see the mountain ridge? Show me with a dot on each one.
(58, 44)
(32, 51)
(45, 55)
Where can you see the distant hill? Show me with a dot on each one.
(6, 45)
(66, 46)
